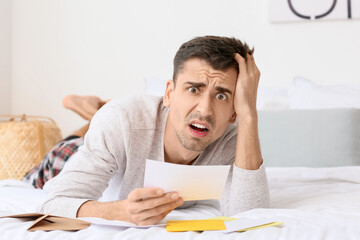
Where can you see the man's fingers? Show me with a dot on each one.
(154, 215)
(256, 70)
(151, 203)
(140, 194)
(161, 210)
(253, 65)
(250, 64)
(242, 64)
(136, 207)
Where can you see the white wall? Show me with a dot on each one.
(5, 56)
(108, 47)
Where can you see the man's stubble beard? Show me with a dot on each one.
(193, 144)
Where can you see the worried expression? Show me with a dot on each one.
(201, 104)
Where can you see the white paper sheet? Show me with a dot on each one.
(191, 182)
(243, 223)
(120, 224)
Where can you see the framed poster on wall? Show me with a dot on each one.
(312, 10)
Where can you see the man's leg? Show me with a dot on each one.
(85, 106)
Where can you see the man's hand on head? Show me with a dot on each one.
(248, 153)
(246, 86)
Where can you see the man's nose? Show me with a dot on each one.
(205, 105)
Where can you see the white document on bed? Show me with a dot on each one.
(120, 224)
(191, 182)
(246, 223)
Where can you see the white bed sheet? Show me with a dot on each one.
(314, 203)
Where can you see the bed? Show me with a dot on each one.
(312, 162)
(313, 203)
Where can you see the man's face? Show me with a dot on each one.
(201, 104)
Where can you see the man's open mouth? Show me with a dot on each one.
(198, 127)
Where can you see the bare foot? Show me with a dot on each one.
(85, 106)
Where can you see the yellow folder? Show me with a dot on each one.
(195, 225)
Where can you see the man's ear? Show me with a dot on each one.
(168, 91)
(233, 118)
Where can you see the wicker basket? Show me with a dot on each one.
(24, 141)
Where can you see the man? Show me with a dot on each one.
(215, 82)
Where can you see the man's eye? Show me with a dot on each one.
(221, 96)
(193, 90)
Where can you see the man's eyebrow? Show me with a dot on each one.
(195, 84)
(224, 90)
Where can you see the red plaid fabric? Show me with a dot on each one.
(53, 162)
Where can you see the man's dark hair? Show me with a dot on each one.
(218, 52)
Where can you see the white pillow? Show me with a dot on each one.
(304, 94)
(272, 98)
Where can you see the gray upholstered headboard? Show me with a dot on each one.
(310, 138)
